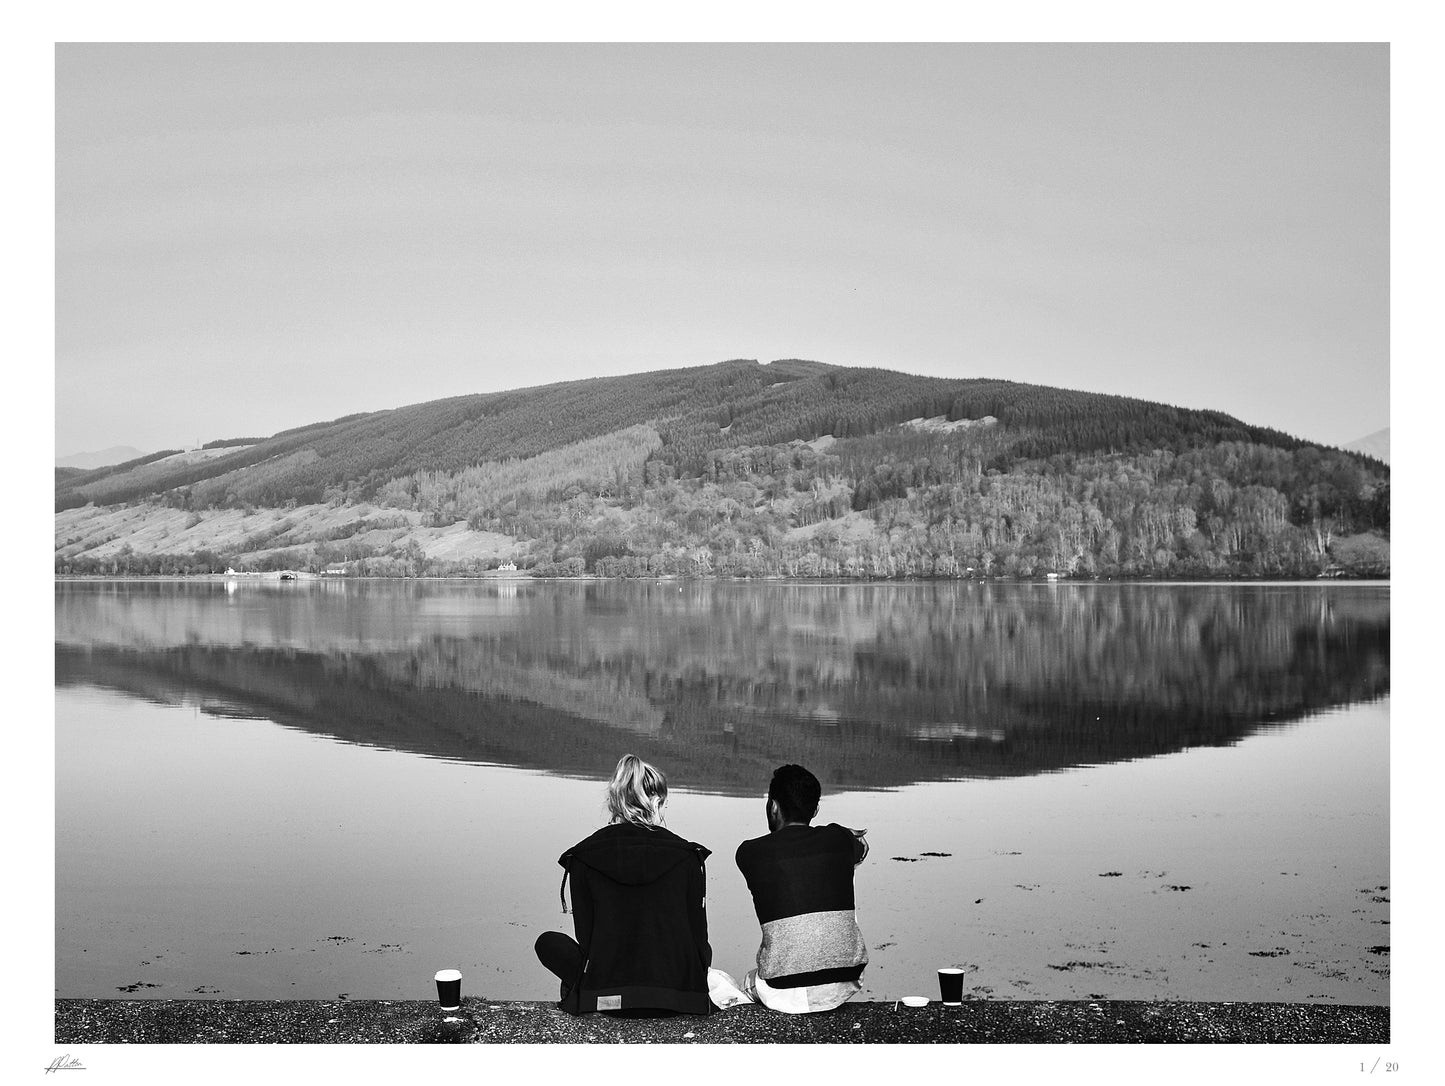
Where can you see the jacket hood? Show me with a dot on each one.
(633, 855)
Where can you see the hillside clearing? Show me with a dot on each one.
(102, 532)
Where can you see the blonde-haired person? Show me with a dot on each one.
(638, 891)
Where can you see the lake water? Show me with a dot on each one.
(332, 789)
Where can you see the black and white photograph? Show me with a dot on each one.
(761, 545)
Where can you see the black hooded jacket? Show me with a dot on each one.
(638, 897)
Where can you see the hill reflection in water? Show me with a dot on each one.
(872, 686)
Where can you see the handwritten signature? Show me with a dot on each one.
(65, 1063)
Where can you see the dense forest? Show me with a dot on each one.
(794, 469)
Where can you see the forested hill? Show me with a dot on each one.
(696, 411)
(982, 468)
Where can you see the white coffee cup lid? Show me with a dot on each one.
(915, 1001)
(449, 974)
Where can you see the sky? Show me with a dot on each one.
(255, 237)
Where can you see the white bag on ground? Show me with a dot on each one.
(723, 990)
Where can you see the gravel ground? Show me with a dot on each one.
(482, 1021)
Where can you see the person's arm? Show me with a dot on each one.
(582, 912)
(699, 912)
(860, 846)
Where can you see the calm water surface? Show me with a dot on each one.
(313, 790)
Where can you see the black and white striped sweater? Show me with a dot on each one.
(801, 878)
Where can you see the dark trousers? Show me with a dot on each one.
(561, 955)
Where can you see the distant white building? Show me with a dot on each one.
(507, 567)
(336, 571)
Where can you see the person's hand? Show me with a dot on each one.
(864, 853)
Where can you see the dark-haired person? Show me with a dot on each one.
(637, 902)
(801, 878)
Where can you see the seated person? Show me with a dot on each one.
(637, 897)
(801, 878)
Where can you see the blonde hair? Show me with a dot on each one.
(636, 792)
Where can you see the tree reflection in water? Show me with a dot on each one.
(872, 686)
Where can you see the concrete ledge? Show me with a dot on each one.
(483, 1021)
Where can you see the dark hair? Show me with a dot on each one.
(796, 792)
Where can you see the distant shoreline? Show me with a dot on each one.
(592, 578)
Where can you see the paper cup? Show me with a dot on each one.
(449, 988)
(950, 986)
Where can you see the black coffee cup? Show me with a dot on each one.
(449, 989)
(950, 985)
